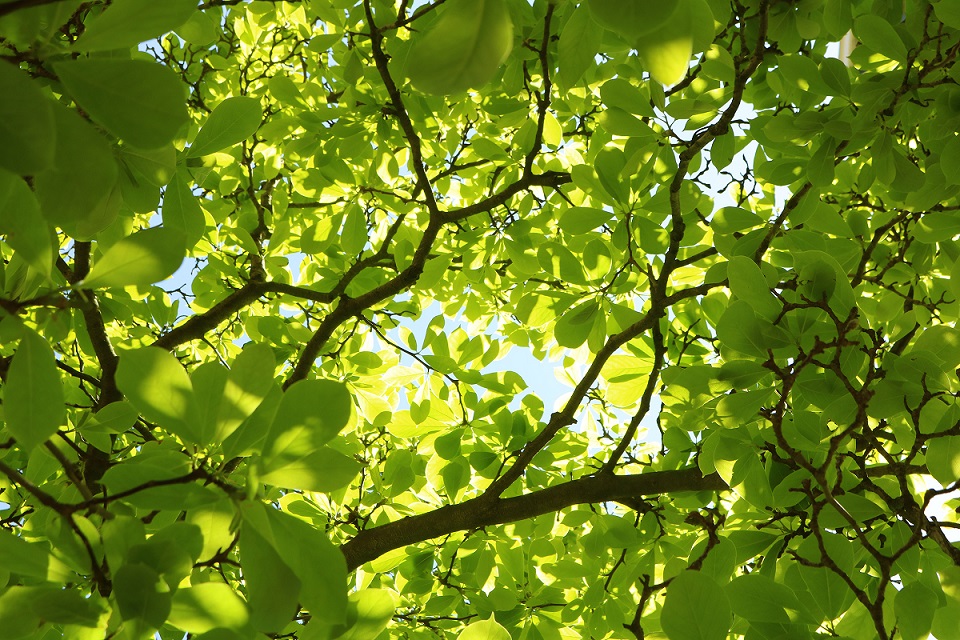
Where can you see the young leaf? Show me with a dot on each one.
(140, 259)
(26, 123)
(127, 23)
(695, 608)
(140, 102)
(232, 121)
(463, 49)
(32, 396)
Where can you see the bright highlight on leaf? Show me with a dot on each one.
(463, 49)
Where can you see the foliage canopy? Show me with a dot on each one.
(738, 248)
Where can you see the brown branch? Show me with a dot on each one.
(484, 511)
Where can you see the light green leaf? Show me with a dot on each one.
(695, 608)
(27, 131)
(272, 587)
(463, 49)
(182, 212)
(914, 606)
(232, 121)
(666, 51)
(316, 410)
(140, 259)
(579, 42)
(33, 396)
(574, 326)
(140, 102)
(320, 566)
(488, 629)
(368, 612)
(322, 470)
(22, 225)
(943, 459)
(77, 192)
(250, 380)
(156, 384)
(207, 606)
(126, 23)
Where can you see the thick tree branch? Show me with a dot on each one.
(484, 511)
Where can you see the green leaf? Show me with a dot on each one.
(140, 259)
(914, 606)
(666, 51)
(157, 385)
(77, 192)
(632, 19)
(127, 23)
(695, 608)
(26, 124)
(758, 598)
(140, 102)
(879, 35)
(22, 225)
(182, 212)
(324, 469)
(17, 618)
(250, 380)
(579, 42)
(368, 612)
(747, 283)
(574, 326)
(488, 629)
(943, 459)
(31, 559)
(320, 566)
(33, 400)
(207, 606)
(142, 594)
(272, 587)
(311, 413)
(463, 49)
(232, 121)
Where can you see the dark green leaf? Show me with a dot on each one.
(26, 124)
(695, 608)
(140, 102)
(126, 23)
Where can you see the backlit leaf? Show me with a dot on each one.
(140, 259)
(32, 396)
(463, 49)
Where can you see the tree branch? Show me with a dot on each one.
(483, 511)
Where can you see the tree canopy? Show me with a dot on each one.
(281, 280)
